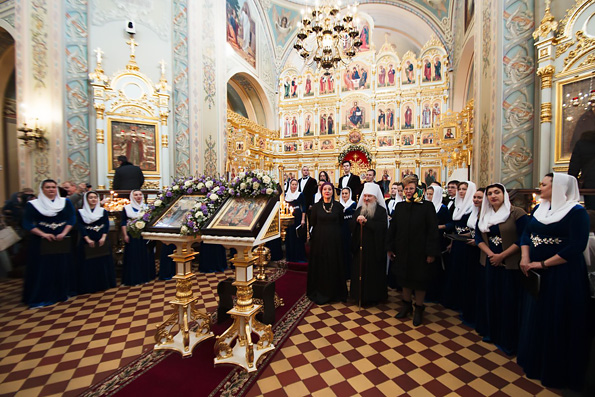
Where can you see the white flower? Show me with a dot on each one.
(255, 185)
(197, 205)
(243, 185)
(266, 179)
(269, 191)
(213, 197)
(187, 183)
(200, 185)
(140, 225)
(184, 229)
(231, 191)
(157, 203)
(208, 184)
(242, 174)
(260, 174)
(175, 187)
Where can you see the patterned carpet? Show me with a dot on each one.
(335, 350)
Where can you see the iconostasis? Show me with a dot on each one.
(387, 105)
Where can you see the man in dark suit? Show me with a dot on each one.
(349, 180)
(451, 194)
(128, 176)
(371, 177)
(308, 186)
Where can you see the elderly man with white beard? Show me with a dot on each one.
(369, 228)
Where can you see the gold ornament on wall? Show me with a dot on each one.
(546, 73)
(99, 134)
(548, 24)
(546, 112)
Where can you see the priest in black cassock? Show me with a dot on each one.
(369, 228)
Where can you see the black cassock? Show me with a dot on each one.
(413, 236)
(373, 255)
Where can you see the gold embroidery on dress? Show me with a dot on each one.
(536, 240)
(496, 240)
(52, 225)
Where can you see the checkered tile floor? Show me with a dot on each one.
(336, 349)
(65, 348)
(340, 351)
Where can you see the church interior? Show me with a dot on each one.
(485, 91)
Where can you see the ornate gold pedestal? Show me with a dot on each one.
(286, 220)
(263, 256)
(186, 313)
(235, 345)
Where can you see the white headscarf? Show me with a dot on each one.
(437, 197)
(90, 215)
(565, 196)
(464, 206)
(348, 203)
(373, 189)
(472, 221)
(130, 208)
(488, 217)
(292, 196)
(48, 207)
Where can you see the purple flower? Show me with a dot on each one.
(263, 191)
(168, 194)
(146, 216)
(189, 191)
(190, 224)
(254, 179)
(203, 190)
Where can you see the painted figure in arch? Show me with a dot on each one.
(323, 85)
(355, 115)
(287, 127)
(287, 87)
(307, 126)
(363, 78)
(347, 80)
(382, 76)
(365, 38)
(294, 127)
(426, 116)
(308, 87)
(330, 83)
(408, 117)
(390, 119)
(427, 70)
(437, 69)
(391, 75)
(323, 124)
(331, 124)
(436, 113)
(293, 88)
(381, 120)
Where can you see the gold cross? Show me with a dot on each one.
(132, 44)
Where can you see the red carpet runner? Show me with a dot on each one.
(167, 373)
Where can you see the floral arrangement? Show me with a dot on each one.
(252, 184)
(214, 189)
(352, 148)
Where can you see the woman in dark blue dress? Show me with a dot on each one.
(500, 227)
(49, 277)
(435, 291)
(474, 298)
(349, 207)
(455, 291)
(295, 247)
(139, 259)
(97, 273)
(554, 344)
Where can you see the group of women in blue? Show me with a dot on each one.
(58, 268)
(547, 328)
(54, 270)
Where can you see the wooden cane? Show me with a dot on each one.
(361, 251)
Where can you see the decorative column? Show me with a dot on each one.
(162, 90)
(99, 84)
(544, 43)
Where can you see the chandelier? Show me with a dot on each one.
(334, 36)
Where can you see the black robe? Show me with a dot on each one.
(373, 256)
(413, 236)
(326, 280)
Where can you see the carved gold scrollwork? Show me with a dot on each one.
(546, 112)
(244, 301)
(265, 332)
(163, 335)
(164, 140)
(100, 110)
(164, 114)
(583, 44)
(548, 24)
(546, 73)
(203, 320)
(184, 288)
(223, 343)
(99, 136)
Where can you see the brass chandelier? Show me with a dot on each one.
(335, 36)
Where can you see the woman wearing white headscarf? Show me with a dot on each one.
(456, 285)
(349, 207)
(499, 238)
(553, 345)
(49, 275)
(96, 269)
(295, 251)
(139, 259)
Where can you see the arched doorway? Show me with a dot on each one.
(9, 167)
(246, 97)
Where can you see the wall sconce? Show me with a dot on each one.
(33, 137)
